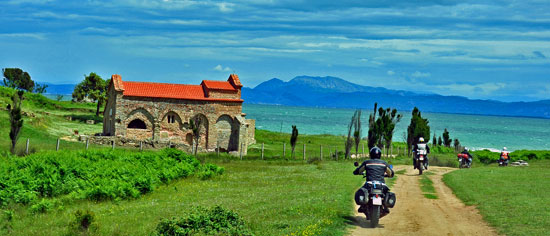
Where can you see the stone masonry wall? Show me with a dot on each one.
(223, 94)
(154, 112)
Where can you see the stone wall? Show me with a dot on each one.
(223, 94)
(167, 121)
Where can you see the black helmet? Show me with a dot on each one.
(375, 153)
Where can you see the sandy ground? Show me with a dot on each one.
(414, 214)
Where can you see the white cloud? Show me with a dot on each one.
(226, 7)
(418, 74)
(220, 68)
(39, 36)
(472, 89)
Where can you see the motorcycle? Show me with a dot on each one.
(421, 160)
(463, 161)
(374, 199)
(502, 162)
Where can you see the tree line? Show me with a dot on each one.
(381, 128)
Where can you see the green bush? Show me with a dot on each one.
(43, 206)
(201, 221)
(209, 170)
(83, 221)
(94, 175)
(487, 157)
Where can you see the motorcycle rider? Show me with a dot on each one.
(375, 170)
(470, 158)
(421, 145)
(504, 155)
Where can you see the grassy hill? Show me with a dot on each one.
(45, 120)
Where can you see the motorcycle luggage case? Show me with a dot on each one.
(361, 196)
(389, 200)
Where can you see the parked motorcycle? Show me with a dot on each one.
(421, 160)
(463, 161)
(502, 162)
(374, 199)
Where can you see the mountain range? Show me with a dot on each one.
(335, 92)
(338, 93)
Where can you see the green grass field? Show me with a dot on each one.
(515, 200)
(274, 198)
(279, 195)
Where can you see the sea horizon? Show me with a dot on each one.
(473, 131)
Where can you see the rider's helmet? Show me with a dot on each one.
(421, 139)
(375, 153)
(504, 149)
(466, 149)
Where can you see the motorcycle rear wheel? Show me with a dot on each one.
(374, 213)
(420, 168)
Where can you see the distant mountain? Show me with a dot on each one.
(336, 92)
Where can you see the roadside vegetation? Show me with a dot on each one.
(512, 199)
(126, 192)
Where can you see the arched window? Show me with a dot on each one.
(137, 124)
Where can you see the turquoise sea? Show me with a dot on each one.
(473, 131)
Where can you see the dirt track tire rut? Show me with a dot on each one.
(414, 214)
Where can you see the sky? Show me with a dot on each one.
(479, 49)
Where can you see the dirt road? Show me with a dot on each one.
(414, 214)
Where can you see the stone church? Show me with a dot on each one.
(161, 113)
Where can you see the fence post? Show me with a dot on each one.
(262, 151)
(218, 148)
(284, 149)
(27, 147)
(336, 153)
(363, 150)
(113, 145)
(321, 152)
(140, 146)
(241, 153)
(57, 146)
(304, 151)
(87, 143)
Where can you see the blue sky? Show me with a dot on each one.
(479, 49)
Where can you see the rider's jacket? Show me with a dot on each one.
(421, 148)
(375, 169)
(467, 153)
(504, 155)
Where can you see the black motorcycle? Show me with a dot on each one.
(420, 161)
(502, 162)
(374, 199)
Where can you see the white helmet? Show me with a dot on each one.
(421, 139)
(504, 148)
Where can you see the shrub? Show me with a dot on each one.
(94, 175)
(201, 221)
(43, 206)
(208, 171)
(83, 221)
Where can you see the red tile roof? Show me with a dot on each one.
(218, 85)
(164, 90)
(235, 79)
(117, 81)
